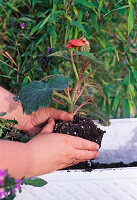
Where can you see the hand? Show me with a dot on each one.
(36, 120)
(53, 151)
(30, 124)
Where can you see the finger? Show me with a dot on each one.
(49, 127)
(80, 143)
(59, 114)
(85, 155)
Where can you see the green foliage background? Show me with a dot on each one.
(109, 26)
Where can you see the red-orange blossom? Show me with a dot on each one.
(77, 43)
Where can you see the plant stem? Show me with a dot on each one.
(75, 91)
(74, 66)
(77, 58)
(79, 94)
(8, 65)
(58, 101)
(67, 92)
(84, 103)
(50, 76)
(85, 77)
(83, 63)
(76, 88)
(62, 96)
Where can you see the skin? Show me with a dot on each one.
(46, 152)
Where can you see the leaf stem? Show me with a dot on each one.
(77, 59)
(8, 65)
(84, 103)
(74, 66)
(66, 90)
(79, 94)
(85, 77)
(58, 101)
(62, 96)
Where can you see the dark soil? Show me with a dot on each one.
(90, 165)
(85, 128)
(81, 127)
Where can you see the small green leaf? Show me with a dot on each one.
(131, 108)
(26, 19)
(116, 101)
(25, 81)
(12, 6)
(100, 6)
(87, 4)
(45, 21)
(39, 25)
(84, 3)
(130, 20)
(93, 87)
(2, 114)
(135, 74)
(127, 108)
(38, 182)
(33, 3)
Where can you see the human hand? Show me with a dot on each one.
(52, 151)
(36, 120)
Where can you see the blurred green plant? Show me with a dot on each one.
(109, 26)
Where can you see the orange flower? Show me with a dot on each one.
(77, 43)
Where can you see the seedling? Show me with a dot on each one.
(90, 74)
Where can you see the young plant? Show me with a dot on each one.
(9, 185)
(77, 95)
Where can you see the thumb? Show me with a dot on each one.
(48, 128)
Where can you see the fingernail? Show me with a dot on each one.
(50, 120)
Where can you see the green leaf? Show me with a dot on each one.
(116, 102)
(93, 87)
(26, 19)
(59, 82)
(80, 26)
(67, 32)
(100, 6)
(84, 3)
(130, 3)
(12, 6)
(88, 56)
(131, 108)
(119, 32)
(120, 8)
(39, 25)
(38, 94)
(45, 21)
(33, 3)
(2, 114)
(25, 81)
(130, 19)
(97, 114)
(87, 4)
(63, 54)
(127, 108)
(135, 74)
(38, 182)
